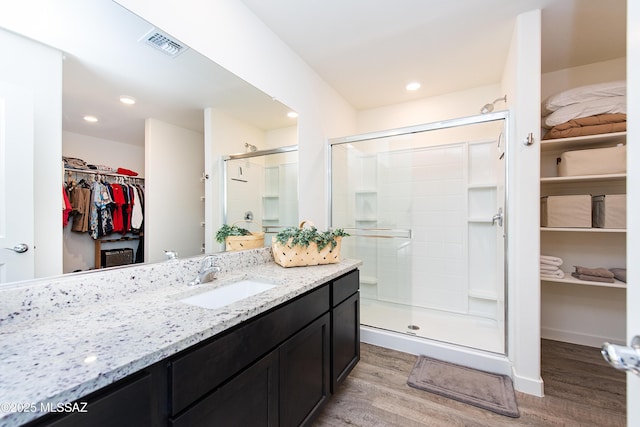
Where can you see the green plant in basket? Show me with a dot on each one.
(299, 236)
(230, 230)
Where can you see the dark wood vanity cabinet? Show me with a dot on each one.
(345, 325)
(277, 369)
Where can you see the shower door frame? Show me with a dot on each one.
(439, 125)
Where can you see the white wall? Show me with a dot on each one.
(428, 110)
(39, 68)
(281, 137)
(231, 35)
(174, 208)
(106, 152)
(598, 72)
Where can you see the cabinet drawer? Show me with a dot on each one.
(199, 371)
(345, 286)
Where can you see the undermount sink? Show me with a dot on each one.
(227, 294)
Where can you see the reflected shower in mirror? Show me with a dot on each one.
(262, 187)
(106, 55)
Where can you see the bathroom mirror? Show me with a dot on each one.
(109, 52)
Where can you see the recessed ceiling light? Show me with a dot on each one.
(127, 100)
(90, 119)
(292, 114)
(413, 86)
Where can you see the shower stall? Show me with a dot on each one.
(424, 206)
(262, 186)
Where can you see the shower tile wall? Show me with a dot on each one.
(425, 191)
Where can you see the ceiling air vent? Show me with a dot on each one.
(164, 43)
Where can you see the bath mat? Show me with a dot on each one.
(485, 390)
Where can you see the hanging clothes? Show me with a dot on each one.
(80, 196)
(101, 223)
(116, 211)
(136, 214)
(66, 207)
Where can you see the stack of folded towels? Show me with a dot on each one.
(550, 267)
(593, 274)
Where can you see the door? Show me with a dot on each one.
(424, 206)
(16, 183)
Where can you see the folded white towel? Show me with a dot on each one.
(549, 267)
(550, 260)
(557, 275)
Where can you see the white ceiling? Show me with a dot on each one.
(369, 49)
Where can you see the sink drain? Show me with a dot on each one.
(413, 327)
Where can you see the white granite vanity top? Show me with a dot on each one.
(65, 338)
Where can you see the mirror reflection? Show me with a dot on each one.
(105, 52)
(261, 190)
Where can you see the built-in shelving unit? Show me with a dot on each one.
(574, 306)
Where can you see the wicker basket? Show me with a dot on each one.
(238, 243)
(298, 256)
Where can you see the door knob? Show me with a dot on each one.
(622, 357)
(19, 248)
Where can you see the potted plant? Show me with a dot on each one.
(238, 238)
(302, 246)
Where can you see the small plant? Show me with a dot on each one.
(230, 230)
(299, 236)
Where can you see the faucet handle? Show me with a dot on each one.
(207, 262)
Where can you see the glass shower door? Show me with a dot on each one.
(424, 208)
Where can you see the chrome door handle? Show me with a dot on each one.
(19, 248)
(497, 218)
(622, 357)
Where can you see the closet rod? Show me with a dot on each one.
(97, 172)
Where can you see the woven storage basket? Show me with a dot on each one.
(238, 243)
(298, 256)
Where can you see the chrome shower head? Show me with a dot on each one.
(250, 148)
(489, 107)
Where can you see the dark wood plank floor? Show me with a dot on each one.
(580, 390)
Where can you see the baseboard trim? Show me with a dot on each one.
(589, 340)
(533, 386)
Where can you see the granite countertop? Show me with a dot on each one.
(61, 341)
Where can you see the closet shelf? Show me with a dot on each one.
(583, 178)
(584, 230)
(568, 278)
(582, 141)
(97, 172)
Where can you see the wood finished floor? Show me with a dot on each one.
(580, 390)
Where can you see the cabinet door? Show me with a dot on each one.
(346, 339)
(304, 373)
(129, 404)
(249, 399)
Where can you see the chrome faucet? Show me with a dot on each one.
(206, 268)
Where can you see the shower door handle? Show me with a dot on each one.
(497, 218)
